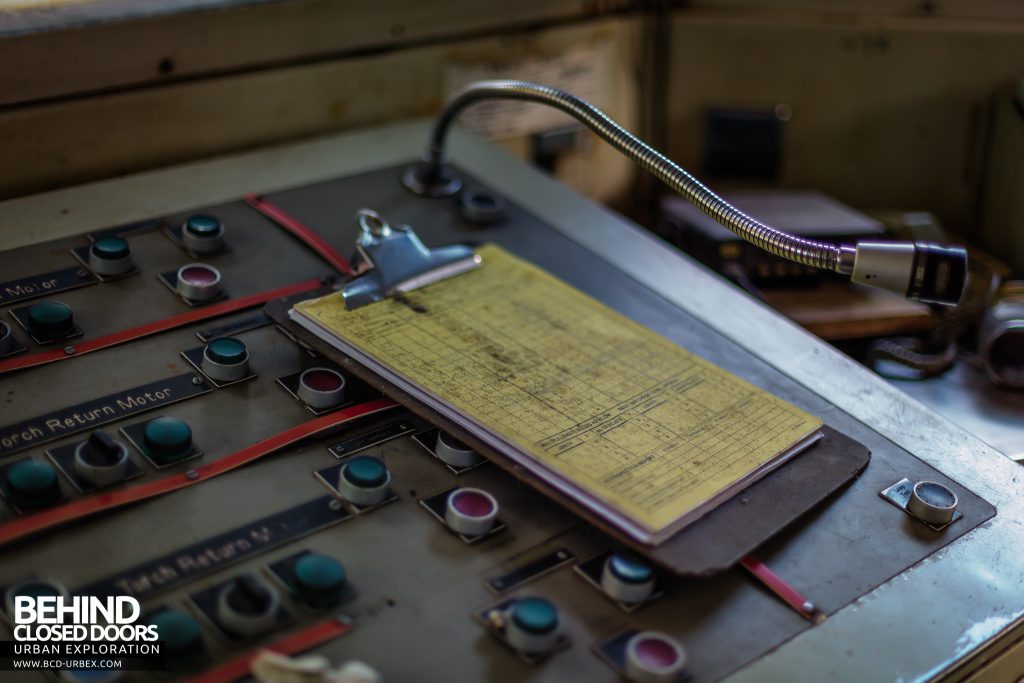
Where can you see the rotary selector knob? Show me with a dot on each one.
(7, 340)
(364, 480)
(225, 360)
(203, 233)
(532, 625)
(454, 452)
(627, 578)
(248, 606)
(198, 282)
(51, 320)
(110, 256)
(321, 388)
(32, 484)
(932, 503)
(653, 657)
(101, 460)
(471, 512)
(180, 633)
(167, 439)
(320, 579)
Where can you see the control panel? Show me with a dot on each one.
(163, 437)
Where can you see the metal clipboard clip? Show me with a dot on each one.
(399, 262)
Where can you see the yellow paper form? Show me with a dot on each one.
(620, 412)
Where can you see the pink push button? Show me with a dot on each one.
(321, 388)
(198, 282)
(654, 657)
(471, 512)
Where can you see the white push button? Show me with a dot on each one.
(454, 452)
(932, 503)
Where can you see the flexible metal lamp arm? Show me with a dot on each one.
(923, 271)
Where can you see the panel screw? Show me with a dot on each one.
(69, 350)
(192, 475)
(197, 380)
(334, 505)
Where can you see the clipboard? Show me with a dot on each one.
(713, 543)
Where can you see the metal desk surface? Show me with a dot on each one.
(965, 396)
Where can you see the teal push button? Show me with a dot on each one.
(366, 472)
(180, 633)
(225, 360)
(32, 484)
(167, 439)
(203, 233)
(320, 579)
(111, 248)
(110, 256)
(630, 568)
(364, 480)
(533, 625)
(51, 320)
(627, 578)
(535, 615)
(203, 224)
(227, 350)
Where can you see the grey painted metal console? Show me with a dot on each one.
(903, 602)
